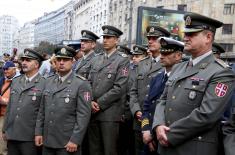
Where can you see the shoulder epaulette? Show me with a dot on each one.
(81, 77)
(144, 58)
(18, 76)
(101, 53)
(123, 54)
(221, 63)
(50, 75)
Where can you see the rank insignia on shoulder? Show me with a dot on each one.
(81, 77)
(221, 89)
(123, 55)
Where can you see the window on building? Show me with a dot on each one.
(227, 29)
(229, 9)
(227, 47)
(182, 7)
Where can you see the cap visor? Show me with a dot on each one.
(187, 30)
(66, 57)
(86, 39)
(110, 35)
(24, 56)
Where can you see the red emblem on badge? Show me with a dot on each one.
(87, 96)
(221, 89)
(125, 71)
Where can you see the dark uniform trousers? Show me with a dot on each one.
(109, 81)
(21, 115)
(146, 70)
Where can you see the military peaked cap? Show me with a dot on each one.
(169, 45)
(88, 35)
(111, 31)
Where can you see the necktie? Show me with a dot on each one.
(190, 65)
(165, 78)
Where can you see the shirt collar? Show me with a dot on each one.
(198, 59)
(63, 78)
(157, 59)
(111, 53)
(32, 77)
(87, 55)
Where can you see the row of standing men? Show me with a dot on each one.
(68, 114)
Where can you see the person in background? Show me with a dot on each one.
(5, 84)
(171, 54)
(217, 49)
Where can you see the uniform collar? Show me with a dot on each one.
(198, 59)
(63, 78)
(87, 55)
(32, 77)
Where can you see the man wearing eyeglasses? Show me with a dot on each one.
(23, 106)
(88, 43)
(187, 119)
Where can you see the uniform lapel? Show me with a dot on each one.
(32, 83)
(82, 63)
(195, 69)
(109, 61)
(65, 84)
(154, 67)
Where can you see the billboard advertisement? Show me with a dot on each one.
(171, 20)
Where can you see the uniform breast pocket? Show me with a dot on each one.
(13, 95)
(109, 75)
(67, 100)
(35, 96)
(195, 93)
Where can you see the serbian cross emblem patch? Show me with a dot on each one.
(221, 89)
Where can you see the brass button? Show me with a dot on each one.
(170, 109)
(148, 86)
(194, 86)
(173, 97)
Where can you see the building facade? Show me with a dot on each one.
(54, 26)
(123, 14)
(26, 36)
(90, 15)
(8, 26)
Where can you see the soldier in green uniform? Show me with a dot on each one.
(109, 77)
(146, 70)
(187, 120)
(88, 43)
(65, 108)
(24, 103)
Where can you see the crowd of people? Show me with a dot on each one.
(148, 100)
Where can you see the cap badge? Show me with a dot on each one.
(151, 29)
(84, 34)
(136, 48)
(26, 53)
(106, 30)
(188, 20)
(63, 51)
(118, 47)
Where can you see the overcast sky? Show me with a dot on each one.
(27, 10)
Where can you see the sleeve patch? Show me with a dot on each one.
(221, 89)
